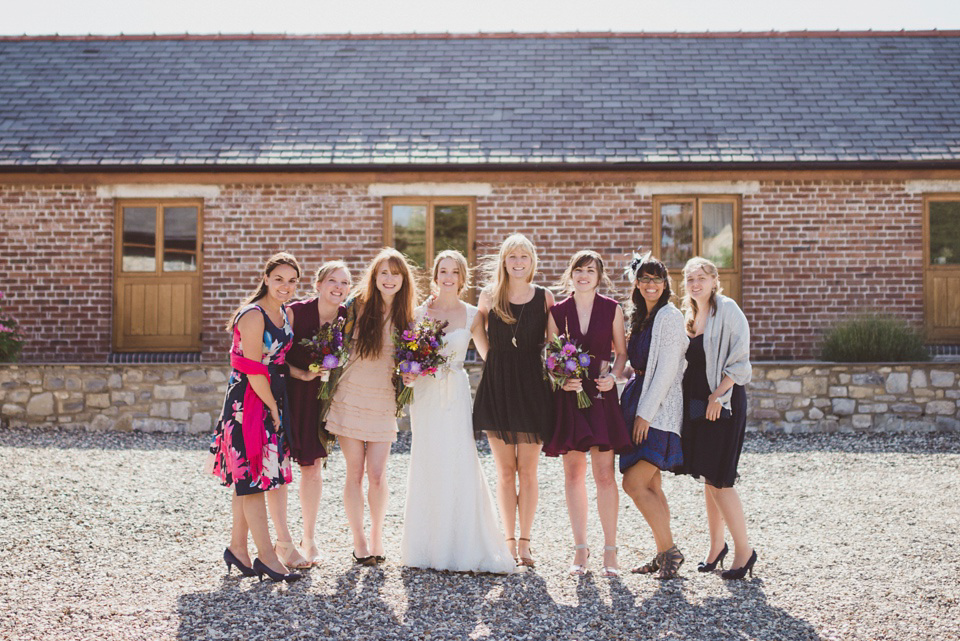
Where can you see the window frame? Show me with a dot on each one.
(121, 277)
(429, 202)
(731, 276)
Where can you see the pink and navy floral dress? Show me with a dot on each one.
(231, 461)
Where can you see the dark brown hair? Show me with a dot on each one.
(281, 258)
(639, 318)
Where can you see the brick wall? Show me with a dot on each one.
(813, 252)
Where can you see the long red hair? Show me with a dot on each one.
(371, 306)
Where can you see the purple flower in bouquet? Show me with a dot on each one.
(584, 360)
(330, 361)
(408, 335)
(570, 365)
(569, 349)
(565, 360)
(414, 367)
(551, 362)
(404, 366)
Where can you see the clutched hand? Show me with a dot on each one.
(573, 385)
(409, 379)
(605, 383)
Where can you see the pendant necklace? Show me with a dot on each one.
(516, 325)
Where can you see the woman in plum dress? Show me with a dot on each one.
(595, 323)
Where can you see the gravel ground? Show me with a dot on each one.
(119, 536)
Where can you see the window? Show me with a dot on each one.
(157, 276)
(941, 273)
(709, 226)
(421, 227)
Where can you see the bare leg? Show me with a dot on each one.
(528, 457)
(354, 453)
(255, 512)
(715, 523)
(608, 502)
(239, 531)
(728, 502)
(378, 494)
(505, 457)
(639, 482)
(311, 491)
(575, 489)
(277, 504)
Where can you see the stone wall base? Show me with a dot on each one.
(790, 397)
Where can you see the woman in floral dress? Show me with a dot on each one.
(251, 442)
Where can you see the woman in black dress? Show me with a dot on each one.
(715, 409)
(514, 405)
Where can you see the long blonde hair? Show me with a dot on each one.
(461, 262)
(370, 304)
(688, 305)
(495, 268)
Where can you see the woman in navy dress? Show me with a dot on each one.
(652, 404)
(595, 323)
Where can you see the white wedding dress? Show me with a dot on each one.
(449, 522)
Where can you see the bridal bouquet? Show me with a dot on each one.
(417, 351)
(563, 360)
(328, 351)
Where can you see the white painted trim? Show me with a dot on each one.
(430, 189)
(931, 186)
(712, 187)
(208, 192)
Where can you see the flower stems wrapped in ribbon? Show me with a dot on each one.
(563, 360)
(417, 351)
(328, 351)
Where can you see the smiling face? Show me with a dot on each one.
(449, 277)
(650, 289)
(281, 283)
(518, 263)
(699, 285)
(333, 287)
(389, 280)
(585, 277)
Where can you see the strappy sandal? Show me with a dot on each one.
(609, 570)
(650, 567)
(314, 559)
(670, 563)
(524, 561)
(285, 550)
(580, 570)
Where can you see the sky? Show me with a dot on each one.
(110, 17)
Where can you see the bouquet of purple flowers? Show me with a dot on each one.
(417, 351)
(328, 351)
(563, 360)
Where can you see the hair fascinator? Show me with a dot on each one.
(630, 273)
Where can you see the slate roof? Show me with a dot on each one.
(620, 100)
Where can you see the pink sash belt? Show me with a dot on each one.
(254, 414)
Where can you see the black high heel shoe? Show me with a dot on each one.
(739, 573)
(703, 566)
(231, 559)
(261, 568)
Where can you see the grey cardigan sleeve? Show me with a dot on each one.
(672, 341)
(728, 347)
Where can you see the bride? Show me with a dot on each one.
(449, 522)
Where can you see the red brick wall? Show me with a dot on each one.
(813, 252)
(56, 269)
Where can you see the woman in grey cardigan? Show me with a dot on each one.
(652, 403)
(718, 366)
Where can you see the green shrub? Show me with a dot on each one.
(873, 338)
(11, 337)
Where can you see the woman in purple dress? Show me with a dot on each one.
(308, 444)
(595, 323)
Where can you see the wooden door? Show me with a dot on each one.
(157, 276)
(941, 258)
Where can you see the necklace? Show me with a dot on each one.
(516, 325)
